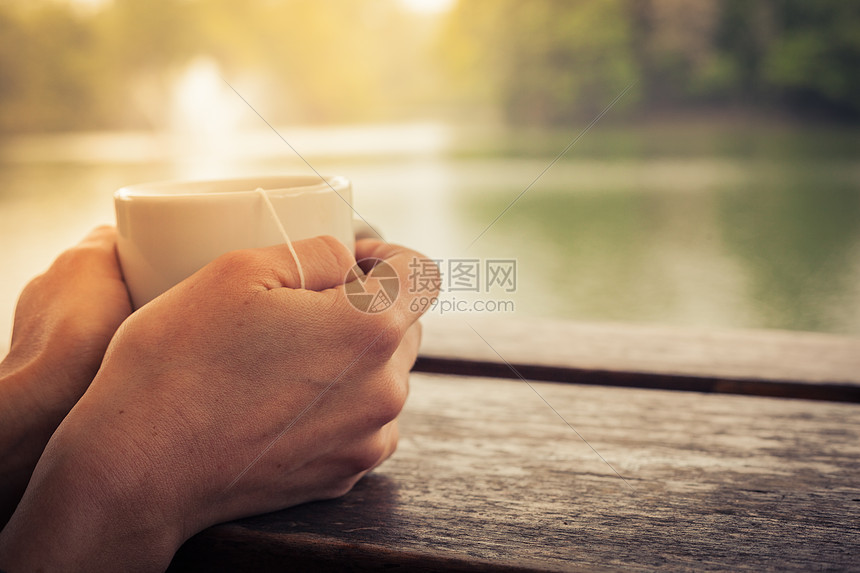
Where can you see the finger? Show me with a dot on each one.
(404, 357)
(363, 230)
(366, 248)
(420, 329)
(418, 277)
(389, 434)
(93, 257)
(103, 236)
(325, 262)
(387, 401)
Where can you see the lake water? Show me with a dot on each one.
(760, 234)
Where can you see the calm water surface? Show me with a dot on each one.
(704, 239)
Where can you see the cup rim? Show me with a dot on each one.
(238, 186)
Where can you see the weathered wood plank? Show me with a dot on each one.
(487, 475)
(786, 364)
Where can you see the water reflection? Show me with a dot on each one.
(771, 248)
(710, 241)
(798, 239)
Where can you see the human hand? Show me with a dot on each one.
(64, 320)
(232, 394)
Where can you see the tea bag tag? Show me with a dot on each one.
(268, 203)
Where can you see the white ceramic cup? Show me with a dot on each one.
(169, 230)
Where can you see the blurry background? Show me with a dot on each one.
(723, 190)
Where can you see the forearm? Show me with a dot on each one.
(25, 428)
(76, 515)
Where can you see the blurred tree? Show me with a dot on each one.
(38, 88)
(544, 61)
(320, 60)
(550, 61)
(813, 61)
(141, 46)
(676, 52)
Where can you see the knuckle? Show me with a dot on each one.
(340, 487)
(240, 262)
(393, 447)
(386, 336)
(230, 260)
(333, 246)
(103, 230)
(35, 284)
(390, 397)
(334, 253)
(363, 461)
(366, 456)
(72, 257)
(101, 238)
(72, 261)
(376, 335)
(228, 272)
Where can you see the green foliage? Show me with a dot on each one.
(541, 62)
(815, 59)
(544, 61)
(547, 62)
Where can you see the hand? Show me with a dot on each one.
(232, 394)
(64, 321)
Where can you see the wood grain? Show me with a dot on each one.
(489, 477)
(765, 363)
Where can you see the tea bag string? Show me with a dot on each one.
(283, 232)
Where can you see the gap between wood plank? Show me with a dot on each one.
(832, 392)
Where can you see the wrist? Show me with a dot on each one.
(36, 393)
(80, 512)
(30, 407)
(26, 426)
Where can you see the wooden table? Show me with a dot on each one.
(597, 469)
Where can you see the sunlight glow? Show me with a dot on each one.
(428, 6)
(205, 117)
